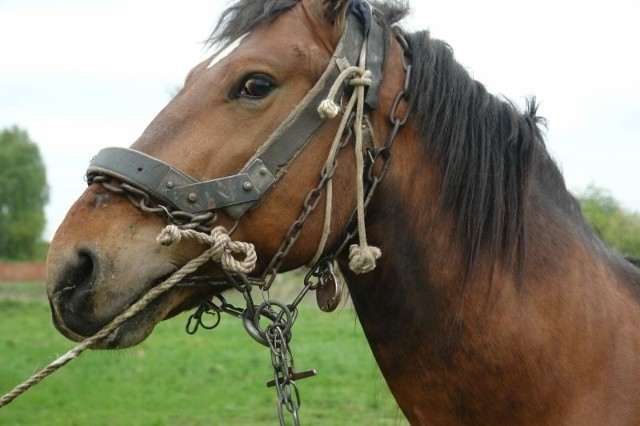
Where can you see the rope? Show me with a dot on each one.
(221, 248)
(327, 170)
(362, 257)
(329, 109)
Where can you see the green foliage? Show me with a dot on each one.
(212, 378)
(23, 195)
(619, 228)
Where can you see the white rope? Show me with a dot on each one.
(222, 247)
(328, 165)
(221, 250)
(329, 109)
(362, 257)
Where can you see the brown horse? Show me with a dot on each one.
(493, 302)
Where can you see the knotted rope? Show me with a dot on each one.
(362, 257)
(221, 250)
(222, 247)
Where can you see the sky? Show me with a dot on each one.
(83, 75)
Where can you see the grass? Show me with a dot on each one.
(213, 378)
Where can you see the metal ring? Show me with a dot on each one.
(252, 329)
(288, 322)
(215, 323)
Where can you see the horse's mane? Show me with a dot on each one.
(486, 148)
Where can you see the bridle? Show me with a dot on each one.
(157, 187)
(238, 193)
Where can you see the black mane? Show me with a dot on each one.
(487, 150)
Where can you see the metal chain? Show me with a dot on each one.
(276, 335)
(283, 372)
(310, 204)
(204, 222)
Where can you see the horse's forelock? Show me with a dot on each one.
(245, 15)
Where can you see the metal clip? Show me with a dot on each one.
(195, 320)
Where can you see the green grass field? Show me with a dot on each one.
(213, 378)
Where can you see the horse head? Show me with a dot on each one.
(104, 255)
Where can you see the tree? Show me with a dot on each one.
(23, 195)
(619, 228)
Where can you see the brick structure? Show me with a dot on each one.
(22, 271)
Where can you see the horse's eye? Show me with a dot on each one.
(257, 86)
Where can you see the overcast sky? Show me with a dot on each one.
(79, 76)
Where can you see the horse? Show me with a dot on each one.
(484, 295)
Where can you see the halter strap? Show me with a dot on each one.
(240, 192)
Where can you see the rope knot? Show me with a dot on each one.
(222, 247)
(328, 109)
(363, 80)
(362, 259)
(219, 242)
(170, 235)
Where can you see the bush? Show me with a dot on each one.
(618, 227)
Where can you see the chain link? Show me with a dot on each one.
(310, 204)
(204, 222)
(283, 369)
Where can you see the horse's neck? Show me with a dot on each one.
(496, 350)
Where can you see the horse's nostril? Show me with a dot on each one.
(73, 297)
(78, 273)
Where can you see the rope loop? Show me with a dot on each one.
(328, 108)
(222, 247)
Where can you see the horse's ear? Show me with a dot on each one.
(335, 10)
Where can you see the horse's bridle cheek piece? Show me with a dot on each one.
(243, 191)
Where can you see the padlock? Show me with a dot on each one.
(329, 291)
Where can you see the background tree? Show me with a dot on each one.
(23, 195)
(619, 228)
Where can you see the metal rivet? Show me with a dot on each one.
(247, 186)
(171, 184)
(264, 171)
(193, 197)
